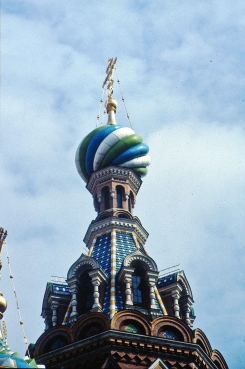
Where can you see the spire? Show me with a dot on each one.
(111, 103)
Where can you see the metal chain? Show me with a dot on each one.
(16, 300)
(98, 116)
(118, 81)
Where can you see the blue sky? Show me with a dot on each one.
(181, 66)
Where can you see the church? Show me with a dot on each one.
(115, 309)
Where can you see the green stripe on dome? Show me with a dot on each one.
(140, 171)
(124, 144)
(83, 150)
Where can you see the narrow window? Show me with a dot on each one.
(106, 197)
(119, 196)
(87, 293)
(137, 289)
(130, 201)
(140, 288)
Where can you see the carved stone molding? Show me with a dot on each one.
(107, 224)
(138, 256)
(118, 174)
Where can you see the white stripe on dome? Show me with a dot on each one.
(77, 162)
(108, 142)
(142, 161)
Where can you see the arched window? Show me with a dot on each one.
(132, 326)
(171, 333)
(90, 330)
(106, 197)
(55, 343)
(119, 196)
(139, 288)
(86, 295)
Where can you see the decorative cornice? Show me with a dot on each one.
(118, 174)
(95, 229)
(82, 261)
(139, 256)
(155, 346)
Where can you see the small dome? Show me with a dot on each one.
(112, 145)
(3, 303)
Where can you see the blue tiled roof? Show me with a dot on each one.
(102, 252)
(60, 289)
(125, 246)
(166, 280)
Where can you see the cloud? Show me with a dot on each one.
(195, 189)
(180, 66)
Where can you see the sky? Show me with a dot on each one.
(181, 67)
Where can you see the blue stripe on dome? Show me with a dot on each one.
(94, 144)
(132, 153)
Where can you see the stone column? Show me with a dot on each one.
(128, 290)
(97, 278)
(126, 201)
(186, 303)
(48, 319)
(54, 307)
(126, 276)
(152, 278)
(74, 313)
(176, 296)
(113, 200)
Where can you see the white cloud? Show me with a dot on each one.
(180, 66)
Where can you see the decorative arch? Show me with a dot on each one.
(219, 360)
(83, 263)
(87, 282)
(138, 257)
(122, 214)
(201, 339)
(104, 215)
(182, 280)
(55, 337)
(138, 276)
(89, 325)
(131, 317)
(180, 329)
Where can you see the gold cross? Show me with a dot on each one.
(109, 71)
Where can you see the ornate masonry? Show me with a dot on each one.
(114, 310)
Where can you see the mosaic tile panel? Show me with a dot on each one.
(102, 252)
(166, 280)
(60, 289)
(125, 246)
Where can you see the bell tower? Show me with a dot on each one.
(116, 309)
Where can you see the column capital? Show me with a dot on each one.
(125, 272)
(97, 276)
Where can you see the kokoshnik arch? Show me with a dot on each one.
(114, 310)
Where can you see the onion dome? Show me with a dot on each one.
(112, 144)
(3, 304)
(10, 359)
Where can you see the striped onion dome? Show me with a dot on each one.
(112, 144)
